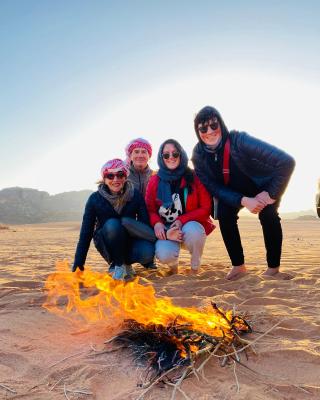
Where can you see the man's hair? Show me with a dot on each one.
(205, 114)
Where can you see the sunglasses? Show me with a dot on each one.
(119, 175)
(174, 154)
(214, 126)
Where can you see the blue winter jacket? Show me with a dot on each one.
(97, 211)
(267, 166)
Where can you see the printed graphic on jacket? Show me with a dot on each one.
(170, 214)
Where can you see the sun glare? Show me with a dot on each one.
(273, 108)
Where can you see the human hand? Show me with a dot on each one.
(265, 198)
(159, 231)
(175, 234)
(252, 204)
(176, 224)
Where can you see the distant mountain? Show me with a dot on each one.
(28, 206)
(307, 217)
(302, 215)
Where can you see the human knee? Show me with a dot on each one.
(112, 228)
(227, 215)
(269, 215)
(167, 255)
(193, 232)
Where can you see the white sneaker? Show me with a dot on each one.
(119, 273)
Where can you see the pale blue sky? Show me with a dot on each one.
(70, 69)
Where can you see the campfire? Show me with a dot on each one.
(169, 340)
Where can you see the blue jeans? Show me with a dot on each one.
(115, 245)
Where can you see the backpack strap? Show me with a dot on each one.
(226, 162)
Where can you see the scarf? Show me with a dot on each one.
(140, 179)
(168, 176)
(117, 200)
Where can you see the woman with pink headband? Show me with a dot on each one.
(106, 210)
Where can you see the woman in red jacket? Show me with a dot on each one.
(177, 199)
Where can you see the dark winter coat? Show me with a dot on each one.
(97, 211)
(268, 167)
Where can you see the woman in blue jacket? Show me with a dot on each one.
(240, 171)
(106, 213)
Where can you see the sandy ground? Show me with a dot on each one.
(43, 356)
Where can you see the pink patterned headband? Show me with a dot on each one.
(138, 143)
(113, 166)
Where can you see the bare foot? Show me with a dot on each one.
(173, 269)
(194, 271)
(274, 272)
(271, 271)
(236, 272)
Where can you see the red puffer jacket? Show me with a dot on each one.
(198, 207)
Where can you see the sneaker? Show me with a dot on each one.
(119, 272)
(130, 273)
(151, 265)
(130, 270)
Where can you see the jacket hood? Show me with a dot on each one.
(215, 113)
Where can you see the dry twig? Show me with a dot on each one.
(66, 358)
(156, 381)
(110, 340)
(236, 353)
(177, 385)
(7, 388)
(253, 342)
(50, 390)
(201, 366)
(180, 390)
(78, 391)
(65, 392)
(235, 375)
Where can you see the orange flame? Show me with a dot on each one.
(117, 301)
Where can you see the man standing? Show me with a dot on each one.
(139, 151)
(240, 171)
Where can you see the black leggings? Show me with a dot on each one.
(271, 227)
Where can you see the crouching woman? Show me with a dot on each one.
(176, 199)
(115, 201)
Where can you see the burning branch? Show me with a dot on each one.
(169, 340)
(164, 349)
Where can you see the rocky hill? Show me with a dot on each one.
(28, 206)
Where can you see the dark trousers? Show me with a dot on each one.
(115, 245)
(271, 227)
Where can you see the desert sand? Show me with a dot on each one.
(44, 356)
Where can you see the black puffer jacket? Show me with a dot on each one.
(97, 211)
(267, 166)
